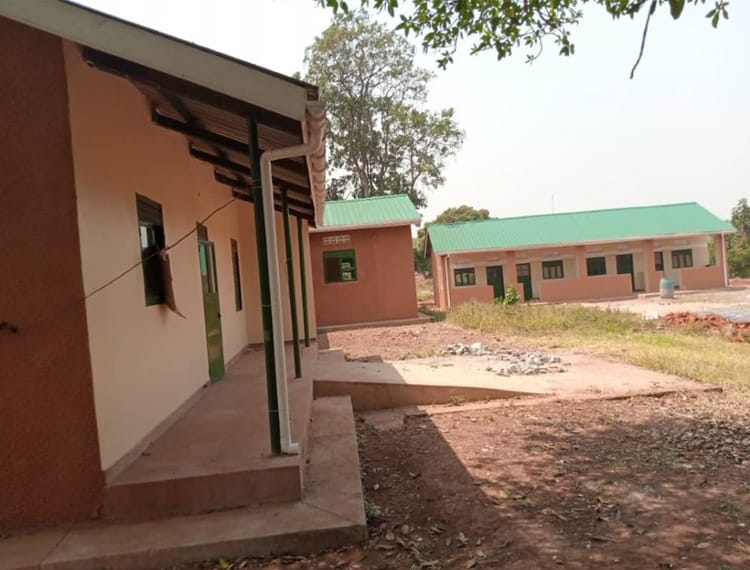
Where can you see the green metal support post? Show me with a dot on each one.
(265, 288)
(303, 279)
(290, 280)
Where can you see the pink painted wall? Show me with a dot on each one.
(702, 277)
(480, 293)
(385, 288)
(49, 453)
(599, 287)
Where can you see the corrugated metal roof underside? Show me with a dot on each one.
(216, 126)
(575, 227)
(370, 211)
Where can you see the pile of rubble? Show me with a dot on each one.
(511, 362)
(461, 349)
(737, 331)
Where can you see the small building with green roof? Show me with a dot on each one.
(576, 256)
(363, 261)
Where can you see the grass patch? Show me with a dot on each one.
(424, 295)
(434, 313)
(617, 335)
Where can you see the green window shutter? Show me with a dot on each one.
(339, 266)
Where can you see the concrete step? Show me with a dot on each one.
(192, 495)
(335, 354)
(330, 514)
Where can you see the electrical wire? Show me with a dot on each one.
(16, 328)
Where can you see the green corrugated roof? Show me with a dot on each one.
(370, 211)
(575, 227)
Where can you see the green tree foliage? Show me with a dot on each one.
(382, 139)
(741, 219)
(738, 245)
(461, 213)
(504, 25)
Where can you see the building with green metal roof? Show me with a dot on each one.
(377, 211)
(363, 261)
(578, 255)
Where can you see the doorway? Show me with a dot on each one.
(523, 272)
(211, 305)
(625, 266)
(495, 278)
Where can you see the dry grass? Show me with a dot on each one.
(617, 335)
(424, 288)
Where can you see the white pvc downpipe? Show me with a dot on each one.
(447, 280)
(725, 267)
(317, 131)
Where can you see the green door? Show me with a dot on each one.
(624, 266)
(211, 310)
(495, 278)
(523, 272)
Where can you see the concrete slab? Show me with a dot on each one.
(440, 380)
(652, 306)
(331, 514)
(26, 552)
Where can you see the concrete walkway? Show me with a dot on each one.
(651, 306)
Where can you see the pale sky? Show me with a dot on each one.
(570, 133)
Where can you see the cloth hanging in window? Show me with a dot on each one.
(166, 277)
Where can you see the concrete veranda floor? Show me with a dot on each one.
(218, 454)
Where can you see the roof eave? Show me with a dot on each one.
(84, 26)
(577, 243)
(316, 161)
(350, 227)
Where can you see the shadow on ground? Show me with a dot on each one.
(646, 483)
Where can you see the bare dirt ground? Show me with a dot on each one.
(653, 306)
(632, 484)
(403, 342)
(638, 483)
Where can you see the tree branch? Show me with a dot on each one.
(651, 10)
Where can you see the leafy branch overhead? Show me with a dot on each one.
(505, 25)
(382, 139)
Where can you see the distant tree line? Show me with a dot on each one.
(462, 213)
(738, 245)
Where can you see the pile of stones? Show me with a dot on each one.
(509, 362)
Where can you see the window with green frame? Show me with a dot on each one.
(339, 266)
(151, 235)
(552, 269)
(596, 266)
(464, 277)
(682, 258)
(236, 274)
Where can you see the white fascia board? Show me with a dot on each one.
(330, 229)
(163, 53)
(577, 243)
